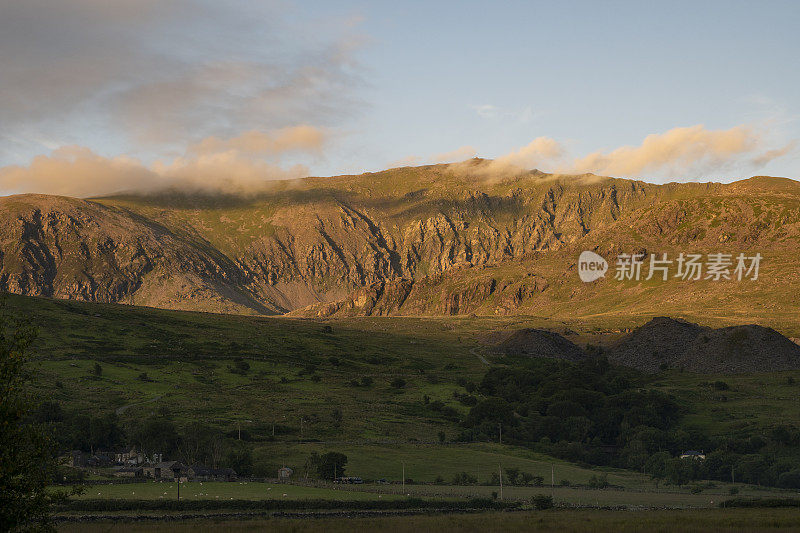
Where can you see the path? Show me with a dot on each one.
(124, 408)
(474, 351)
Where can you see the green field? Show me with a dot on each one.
(242, 490)
(301, 375)
(720, 520)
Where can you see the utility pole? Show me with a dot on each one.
(179, 489)
(404, 477)
(500, 469)
(500, 425)
(552, 475)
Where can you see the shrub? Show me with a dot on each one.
(542, 501)
(398, 383)
(464, 478)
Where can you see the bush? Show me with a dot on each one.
(282, 504)
(398, 383)
(721, 385)
(789, 480)
(541, 502)
(240, 366)
(464, 478)
(761, 502)
(733, 491)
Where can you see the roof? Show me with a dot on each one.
(169, 464)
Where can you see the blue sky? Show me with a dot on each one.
(389, 83)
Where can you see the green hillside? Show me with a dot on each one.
(333, 385)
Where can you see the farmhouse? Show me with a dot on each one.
(693, 454)
(172, 470)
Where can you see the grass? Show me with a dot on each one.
(425, 462)
(720, 520)
(187, 356)
(213, 490)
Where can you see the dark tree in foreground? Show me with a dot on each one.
(27, 461)
(328, 466)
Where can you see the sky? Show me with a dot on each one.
(98, 96)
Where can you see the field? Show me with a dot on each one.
(720, 520)
(301, 371)
(303, 391)
(218, 490)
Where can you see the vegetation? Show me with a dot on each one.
(574, 520)
(194, 408)
(27, 460)
(593, 412)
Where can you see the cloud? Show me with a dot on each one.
(487, 110)
(297, 138)
(684, 152)
(236, 165)
(678, 151)
(492, 112)
(770, 155)
(77, 171)
(540, 150)
(148, 75)
(459, 154)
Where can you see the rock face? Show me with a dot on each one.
(667, 343)
(536, 343)
(736, 349)
(435, 240)
(660, 344)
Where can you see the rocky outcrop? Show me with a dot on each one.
(665, 343)
(532, 342)
(436, 240)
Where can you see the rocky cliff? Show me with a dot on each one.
(434, 240)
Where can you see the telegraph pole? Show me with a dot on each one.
(404, 477)
(500, 469)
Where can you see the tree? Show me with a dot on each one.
(328, 466)
(27, 454)
(512, 474)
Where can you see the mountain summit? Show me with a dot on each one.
(432, 240)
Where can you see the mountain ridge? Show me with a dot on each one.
(432, 240)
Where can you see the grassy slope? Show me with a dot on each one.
(186, 357)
